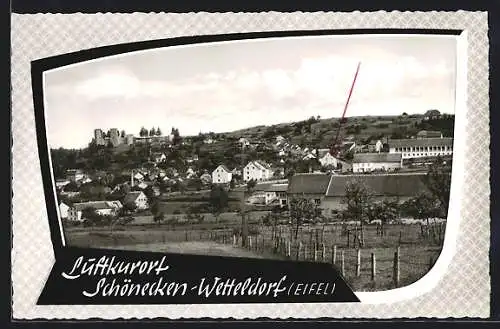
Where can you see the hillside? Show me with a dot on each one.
(317, 132)
(224, 148)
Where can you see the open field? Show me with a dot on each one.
(318, 243)
(207, 248)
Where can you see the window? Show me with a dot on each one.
(317, 201)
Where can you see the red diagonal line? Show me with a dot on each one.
(334, 148)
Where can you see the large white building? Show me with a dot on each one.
(257, 170)
(368, 162)
(222, 175)
(422, 147)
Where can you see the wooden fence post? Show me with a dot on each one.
(400, 237)
(288, 248)
(334, 254)
(323, 252)
(348, 233)
(315, 254)
(358, 263)
(299, 248)
(186, 235)
(396, 268)
(374, 264)
(305, 251)
(250, 242)
(342, 267)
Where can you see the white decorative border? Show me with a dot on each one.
(464, 289)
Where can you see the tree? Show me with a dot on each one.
(129, 207)
(438, 181)
(122, 134)
(357, 200)
(152, 132)
(155, 207)
(218, 201)
(159, 218)
(89, 213)
(423, 207)
(251, 185)
(385, 211)
(143, 132)
(302, 209)
(158, 131)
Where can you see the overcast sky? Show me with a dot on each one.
(232, 85)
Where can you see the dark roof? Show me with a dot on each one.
(421, 142)
(376, 157)
(225, 168)
(132, 196)
(308, 183)
(408, 184)
(93, 204)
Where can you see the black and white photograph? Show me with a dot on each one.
(335, 149)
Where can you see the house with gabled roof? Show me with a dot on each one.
(138, 198)
(63, 210)
(257, 170)
(311, 186)
(222, 175)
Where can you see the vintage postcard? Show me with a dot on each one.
(328, 165)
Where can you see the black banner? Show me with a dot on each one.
(95, 276)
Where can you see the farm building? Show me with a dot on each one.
(309, 186)
(399, 187)
(103, 208)
(328, 191)
(368, 162)
(424, 147)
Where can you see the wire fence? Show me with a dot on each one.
(399, 257)
(380, 258)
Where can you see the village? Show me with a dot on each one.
(136, 176)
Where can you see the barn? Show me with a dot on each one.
(399, 187)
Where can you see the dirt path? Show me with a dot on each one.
(207, 248)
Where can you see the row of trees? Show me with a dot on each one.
(152, 132)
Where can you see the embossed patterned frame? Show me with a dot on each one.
(463, 291)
